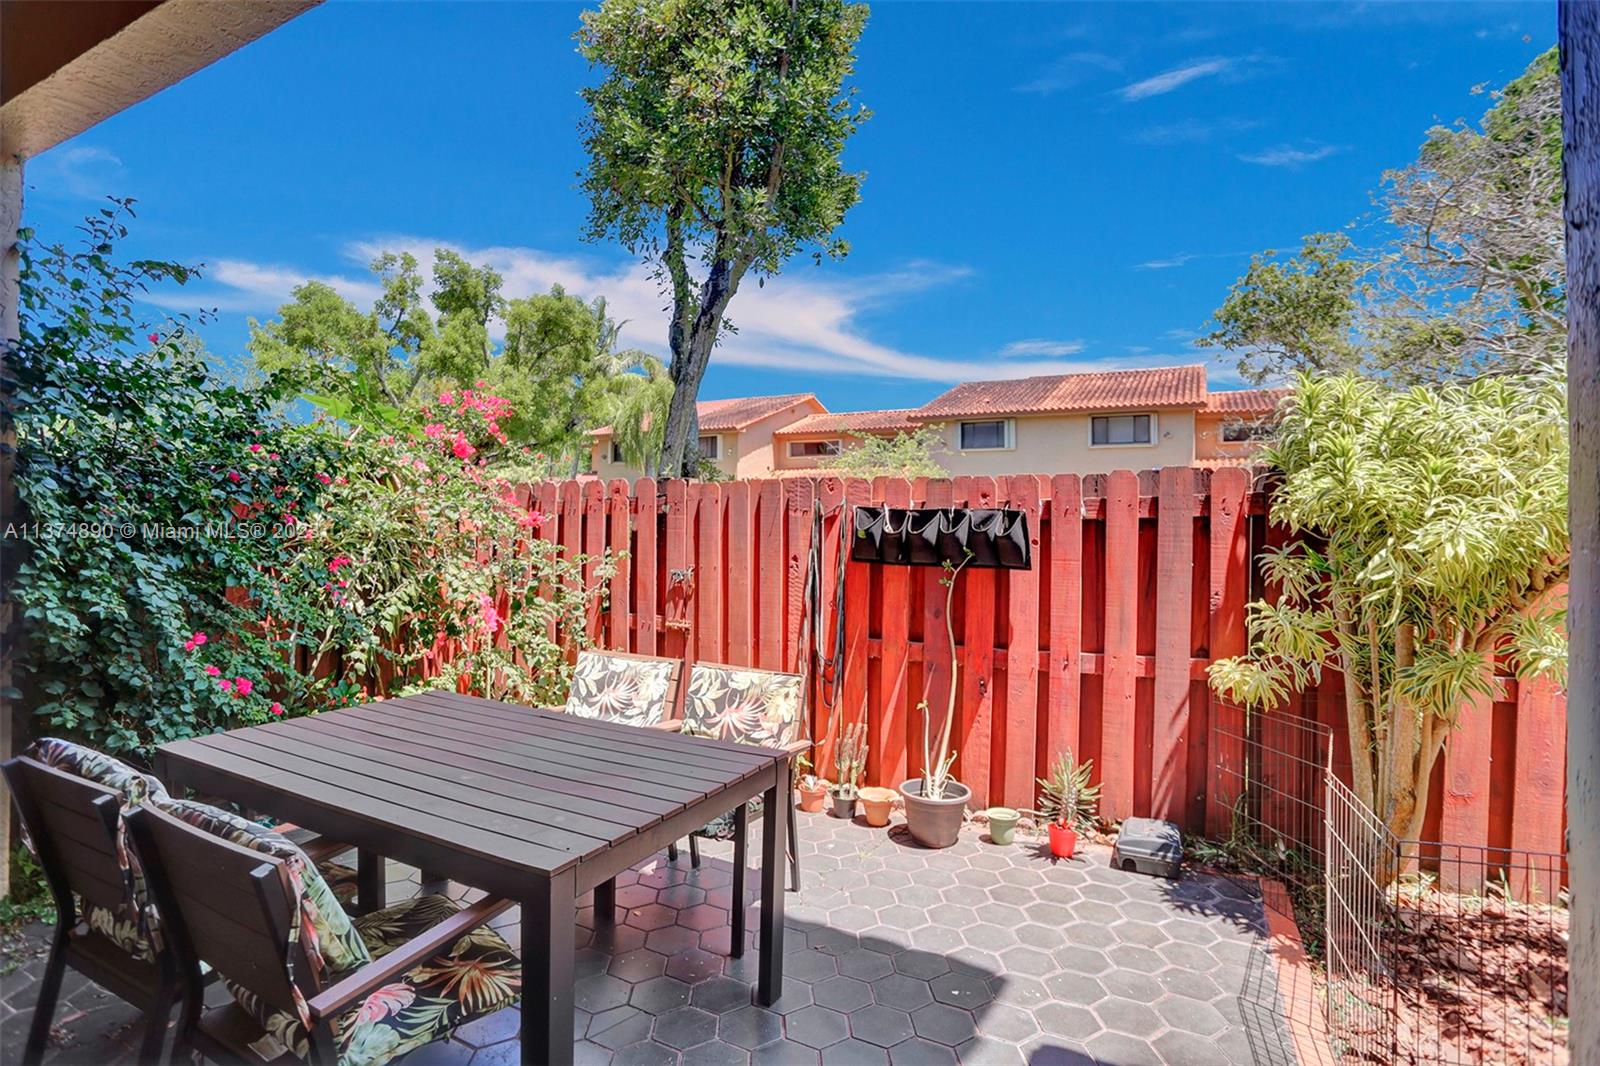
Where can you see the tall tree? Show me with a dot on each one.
(1435, 525)
(1462, 273)
(715, 140)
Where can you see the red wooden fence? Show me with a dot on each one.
(1139, 581)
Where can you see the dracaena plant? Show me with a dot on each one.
(1429, 538)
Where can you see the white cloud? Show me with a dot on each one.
(1169, 263)
(1285, 155)
(1177, 77)
(1041, 347)
(84, 171)
(259, 287)
(794, 322)
(1069, 71)
(1192, 131)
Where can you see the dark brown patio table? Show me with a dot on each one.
(528, 804)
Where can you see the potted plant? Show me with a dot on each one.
(936, 802)
(849, 764)
(811, 787)
(875, 804)
(1002, 824)
(1069, 801)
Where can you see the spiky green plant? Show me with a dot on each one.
(851, 760)
(1432, 538)
(1065, 795)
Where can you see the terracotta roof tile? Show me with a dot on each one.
(1170, 386)
(851, 422)
(1245, 401)
(722, 416)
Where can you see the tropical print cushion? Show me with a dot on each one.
(614, 688)
(478, 975)
(319, 925)
(745, 706)
(131, 926)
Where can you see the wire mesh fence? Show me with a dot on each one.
(1441, 954)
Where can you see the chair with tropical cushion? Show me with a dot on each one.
(746, 706)
(106, 926)
(615, 686)
(308, 982)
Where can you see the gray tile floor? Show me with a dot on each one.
(895, 955)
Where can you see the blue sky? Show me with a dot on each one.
(1049, 187)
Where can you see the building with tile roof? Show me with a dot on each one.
(1061, 423)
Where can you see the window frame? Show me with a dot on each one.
(1155, 429)
(615, 451)
(837, 442)
(1008, 434)
(715, 454)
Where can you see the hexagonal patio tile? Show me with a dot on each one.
(685, 1027)
(1190, 1015)
(884, 1026)
(944, 1024)
(842, 993)
(1127, 1016)
(750, 1027)
(817, 1027)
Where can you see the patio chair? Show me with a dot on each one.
(745, 706)
(308, 981)
(71, 801)
(615, 686)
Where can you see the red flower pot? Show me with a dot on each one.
(811, 798)
(1063, 840)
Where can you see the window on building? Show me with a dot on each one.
(1239, 432)
(813, 449)
(1106, 430)
(616, 453)
(711, 447)
(987, 436)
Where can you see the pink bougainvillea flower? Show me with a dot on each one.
(233, 476)
(325, 479)
(287, 519)
(336, 562)
(463, 448)
(199, 637)
(213, 670)
(225, 685)
(243, 685)
(433, 430)
(155, 338)
(276, 708)
(255, 448)
(273, 456)
(188, 645)
(445, 397)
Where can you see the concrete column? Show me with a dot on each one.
(1580, 121)
(10, 262)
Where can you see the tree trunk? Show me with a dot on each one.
(691, 355)
(1580, 122)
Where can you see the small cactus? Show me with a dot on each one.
(850, 763)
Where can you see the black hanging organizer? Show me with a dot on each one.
(933, 536)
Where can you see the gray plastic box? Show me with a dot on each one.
(1149, 846)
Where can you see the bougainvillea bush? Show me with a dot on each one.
(189, 559)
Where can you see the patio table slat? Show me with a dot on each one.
(604, 763)
(351, 773)
(371, 762)
(611, 736)
(495, 847)
(404, 755)
(489, 761)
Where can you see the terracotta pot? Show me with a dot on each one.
(935, 823)
(1063, 840)
(811, 798)
(875, 804)
(1002, 824)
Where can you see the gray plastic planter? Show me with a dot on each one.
(935, 823)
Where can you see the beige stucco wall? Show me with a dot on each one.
(783, 461)
(1208, 442)
(1059, 444)
(747, 453)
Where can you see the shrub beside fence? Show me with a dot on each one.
(1139, 582)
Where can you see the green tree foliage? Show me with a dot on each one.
(1433, 537)
(907, 454)
(715, 140)
(639, 418)
(189, 556)
(558, 368)
(1463, 273)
